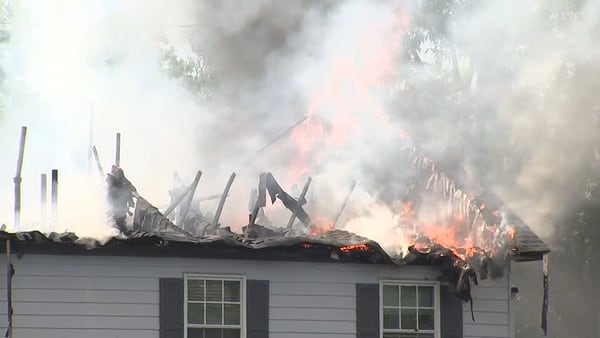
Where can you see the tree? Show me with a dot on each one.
(191, 72)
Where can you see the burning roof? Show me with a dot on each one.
(155, 234)
(470, 236)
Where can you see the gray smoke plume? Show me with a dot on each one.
(501, 92)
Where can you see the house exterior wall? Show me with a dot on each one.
(84, 296)
(491, 310)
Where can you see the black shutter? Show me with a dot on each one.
(451, 313)
(367, 310)
(257, 309)
(171, 307)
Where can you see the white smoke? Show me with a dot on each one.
(68, 58)
(276, 63)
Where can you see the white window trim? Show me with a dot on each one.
(240, 278)
(436, 301)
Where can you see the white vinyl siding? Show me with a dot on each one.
(117, 297)
(491, 310)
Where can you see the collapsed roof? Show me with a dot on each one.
(494, 231)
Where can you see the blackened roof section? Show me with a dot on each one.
(334, 246)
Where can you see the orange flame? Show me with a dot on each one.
(321, 227)
(357, 247)
(348, 96)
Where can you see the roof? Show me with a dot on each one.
(336, 246)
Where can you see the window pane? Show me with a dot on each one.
(390, 295)
(232, 314)
(214, 292)
(213, 313)
(232, 290)
(408, 296)
(425, 319)
(408, 335)
(408, 318)
(195, 289)
(196, 313)
(231, 333)
(391, 319)
(426, 296)
(195, 333)
(212, 333)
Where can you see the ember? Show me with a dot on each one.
(357, 247)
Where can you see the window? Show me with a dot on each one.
(409, 310)
(214, 307)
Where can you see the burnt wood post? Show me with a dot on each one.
(215, 222)
(43, 198)
(301, 199)
(54, 197)
(190, 197)
(261, 200)
(118, 150)
(98, 163)
(339, 214)
(17, 179)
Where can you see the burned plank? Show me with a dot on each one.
(301, 200)
(343, 207)
(215, 222)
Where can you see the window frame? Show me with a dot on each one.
(417, 283)
(219, 277)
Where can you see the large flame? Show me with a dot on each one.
(350, 99)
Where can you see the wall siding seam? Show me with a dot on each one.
(312, 295)
(85, 329)
(77, 302)
(78, 289)
(77, 315)
(315, 320)
(309, 307)
(323, 333)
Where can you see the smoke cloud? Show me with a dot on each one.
(506, 116)
(68, 59)
(502, 92)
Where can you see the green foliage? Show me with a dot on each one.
(191, 72)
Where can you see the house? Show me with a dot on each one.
(160, 281)
(166, 284)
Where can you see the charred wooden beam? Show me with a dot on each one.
(215, 222)
(118, 150)
(17, 179)
(260, 201)
(190, 197)
(181, 197)
(54, 197)
(98, 163)
(301, 200)
(267, 183)
(343, 207)
(43, 198)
